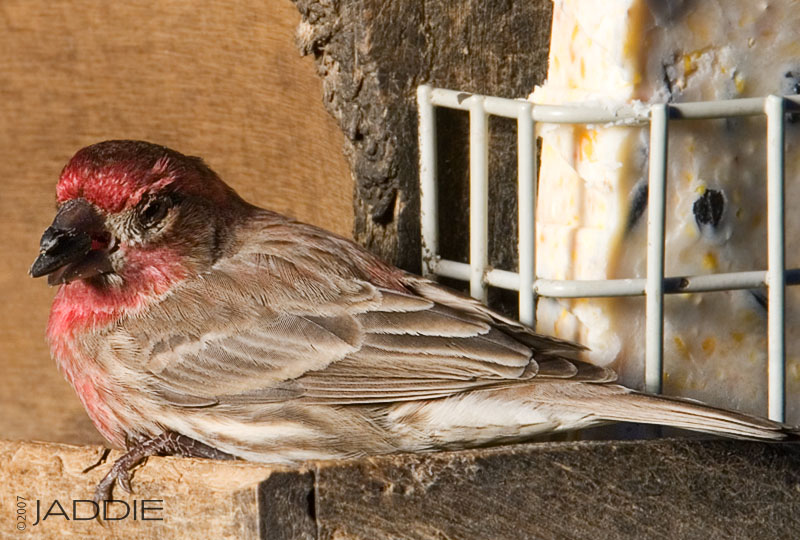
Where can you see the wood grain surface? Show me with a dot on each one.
(219, 79)
(669, 488)
(190, 498)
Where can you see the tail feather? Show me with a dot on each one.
(695, 416)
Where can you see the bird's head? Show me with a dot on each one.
(126, 208)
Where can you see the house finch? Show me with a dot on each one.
(191, 322)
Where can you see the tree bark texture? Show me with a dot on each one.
(372, 55)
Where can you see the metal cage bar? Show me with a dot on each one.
(654, 288)
(480, 275)
(526, 173)
(478, 197)
(775, 109)
(428, 189)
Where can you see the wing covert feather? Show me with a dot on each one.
(261, 328)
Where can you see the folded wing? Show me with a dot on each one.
(275, 325)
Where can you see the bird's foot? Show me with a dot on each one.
(167, 443)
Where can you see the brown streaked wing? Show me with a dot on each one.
(270, 325)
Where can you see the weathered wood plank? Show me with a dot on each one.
(610, 490)
(287, 506)
(674, 488)
(187, 498)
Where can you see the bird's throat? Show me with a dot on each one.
(91, 304)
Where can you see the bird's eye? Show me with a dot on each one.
(154, 210)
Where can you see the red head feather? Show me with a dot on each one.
(114, 175)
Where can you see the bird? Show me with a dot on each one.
(193, 323)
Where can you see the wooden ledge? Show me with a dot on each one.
(670, 488)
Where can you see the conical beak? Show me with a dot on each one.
(75, 246)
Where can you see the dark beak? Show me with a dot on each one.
(75, 246)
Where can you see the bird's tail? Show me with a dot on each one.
(693, 415)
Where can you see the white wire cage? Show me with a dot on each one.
(655, 285)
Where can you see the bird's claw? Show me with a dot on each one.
(101, 460)
(124, 482)
(120, 474)
(168, 442)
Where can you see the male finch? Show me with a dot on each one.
(191, 322)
